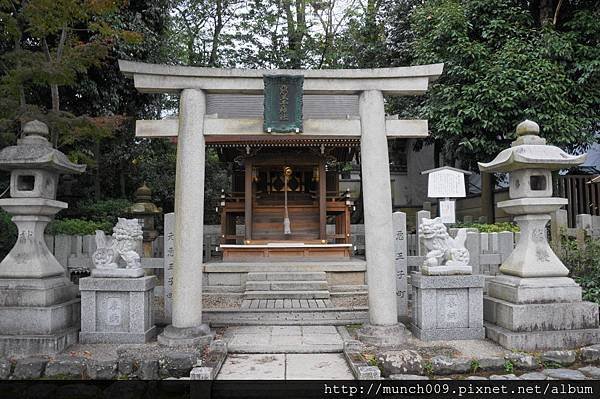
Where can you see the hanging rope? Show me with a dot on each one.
(287, 171)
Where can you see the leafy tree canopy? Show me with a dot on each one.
(503, 63)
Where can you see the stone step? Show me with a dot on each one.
(287, 276)
(534, 341)
(321, 294)
(279, 317)
(286, 286)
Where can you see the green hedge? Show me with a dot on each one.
(77, 227)
(102, 211)
(584, 265)
(490, 227)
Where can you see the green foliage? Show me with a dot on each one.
(550, 365)
(77, 227)
(475, 365)
(508, 366)
(8, 233)
(428, 368)
(583, 263)
(104, 211)
(490, 227)
(503, 65)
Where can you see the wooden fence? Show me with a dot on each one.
(583, 198)
(488, 250)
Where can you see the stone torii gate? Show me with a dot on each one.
(194, 125)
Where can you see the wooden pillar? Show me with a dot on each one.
(488, 183)
(248, 198)
(322, 201)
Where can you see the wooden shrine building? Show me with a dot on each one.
(263, 195)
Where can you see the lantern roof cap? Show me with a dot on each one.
(530, 151)
(34, 151)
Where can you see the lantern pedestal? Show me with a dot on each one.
(531, 314)
(39, 309)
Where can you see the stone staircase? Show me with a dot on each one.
(287, 285)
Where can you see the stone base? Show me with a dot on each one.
(540, 316)
(533, 290)
(542, 340)
(539, 313)
(191, 336)
(446, 334)
(38, 315)
(447, 307)
(36, 292)
(25, 345)
(117, 337)
(118, 273)
(382, 336)
(117, 310)
(39, 319)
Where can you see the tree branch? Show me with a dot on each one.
(555, 19)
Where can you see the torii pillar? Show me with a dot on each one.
(383, 328)
(186, 327)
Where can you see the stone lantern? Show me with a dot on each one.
(39, 311)
(532, 304)
(145, 211)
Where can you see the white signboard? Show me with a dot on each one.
(400, 261)
(169, 256)
(446, 183)
(447, 211)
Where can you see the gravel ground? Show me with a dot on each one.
(221, 301)
(349, 302)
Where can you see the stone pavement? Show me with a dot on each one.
(283, 339)
(282, 366)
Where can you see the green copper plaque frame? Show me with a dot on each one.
(283, 103)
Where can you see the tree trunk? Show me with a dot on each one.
(122, 179)
(97, 185)
(546, 11)
(296, 31)
(22, 100)
(216, 34)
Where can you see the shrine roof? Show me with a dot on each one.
(281, 141)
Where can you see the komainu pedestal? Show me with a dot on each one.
(117, 310)
(117, 301)
(447, 307)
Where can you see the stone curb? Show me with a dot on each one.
(527, 362)
(64, 367)
(357, 362)
(217, 353)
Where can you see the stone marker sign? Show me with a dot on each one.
(446, 183)
(169, 254)
(447, 211)
(400, 262)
